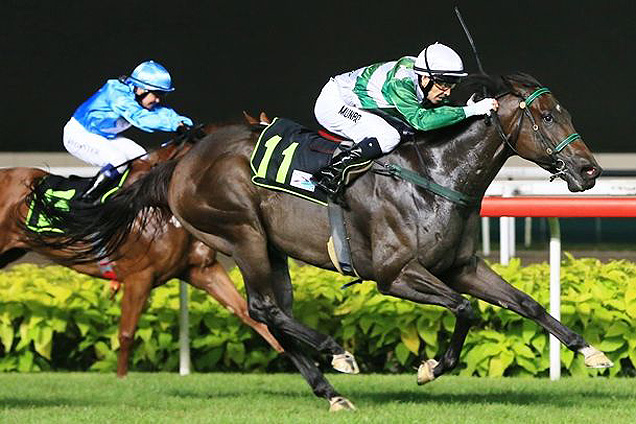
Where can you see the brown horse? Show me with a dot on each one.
(149, 259)
(417, 241)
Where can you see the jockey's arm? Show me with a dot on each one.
(161, 118)
(402, 95)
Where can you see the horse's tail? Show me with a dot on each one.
(90, 232)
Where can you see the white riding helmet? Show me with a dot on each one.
(439, 61)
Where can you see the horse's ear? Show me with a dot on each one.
(250, 119)
(264, 118)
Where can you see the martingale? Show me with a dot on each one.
(285, 157)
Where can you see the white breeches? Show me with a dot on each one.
(98, 150)
(351, 122)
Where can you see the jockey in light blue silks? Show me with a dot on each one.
(92, 134)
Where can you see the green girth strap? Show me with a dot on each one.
(536, 94)
(425, 183)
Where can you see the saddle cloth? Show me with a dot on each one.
(61, 193)
(285, 157)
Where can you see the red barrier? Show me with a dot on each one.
(566, 207)
(552, 208)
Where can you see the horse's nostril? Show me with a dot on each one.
(590, 171)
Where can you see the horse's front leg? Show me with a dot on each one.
(479, 280)
(417, 284)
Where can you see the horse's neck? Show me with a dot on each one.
(163, 154)
(467, 163)
(141, 166)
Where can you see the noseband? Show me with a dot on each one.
(551, 150)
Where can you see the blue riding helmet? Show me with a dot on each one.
(151, 76)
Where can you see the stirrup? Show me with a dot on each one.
(335, 194)
(93, 194)
(333, 187)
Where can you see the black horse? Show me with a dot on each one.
(416, 244)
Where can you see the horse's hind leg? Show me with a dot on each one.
(266, 288)
(417, 284)
(342, 360)
(11, 255)
(320, 386)
(215, 281)
(479, 280)
(136, 291)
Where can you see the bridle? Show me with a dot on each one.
(551, 150)
(558, 165)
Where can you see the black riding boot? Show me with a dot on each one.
(99, 185)
(332, 179)
(103, 180)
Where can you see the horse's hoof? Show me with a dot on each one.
(594, 358)
(425, 372)
(346, 363)
(339, 403)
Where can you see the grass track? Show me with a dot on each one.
(284, 398)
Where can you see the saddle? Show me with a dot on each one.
(284, 159)
(286, 156)
(62, 193)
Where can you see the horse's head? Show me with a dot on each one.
(538, 128)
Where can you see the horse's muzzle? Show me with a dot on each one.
(581, 177)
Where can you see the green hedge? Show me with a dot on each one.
(52, 318)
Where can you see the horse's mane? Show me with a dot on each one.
(481, 85)
(491, 86)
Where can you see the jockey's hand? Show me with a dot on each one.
(191, 134)
(183, 129)
(482, 107)
(198, 132)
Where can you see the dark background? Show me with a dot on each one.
(226, 57)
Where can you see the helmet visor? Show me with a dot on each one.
(161, 95)
(444, 79)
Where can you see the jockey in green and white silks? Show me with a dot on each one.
(410, 88)
(93, 133)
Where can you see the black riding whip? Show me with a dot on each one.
(481, 68)
(470, 39)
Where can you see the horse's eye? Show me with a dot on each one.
(548, 118)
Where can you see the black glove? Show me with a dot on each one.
(198, 132)
(191, 134)
(183, 129)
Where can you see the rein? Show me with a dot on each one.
(394, 170)
(179, 141)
